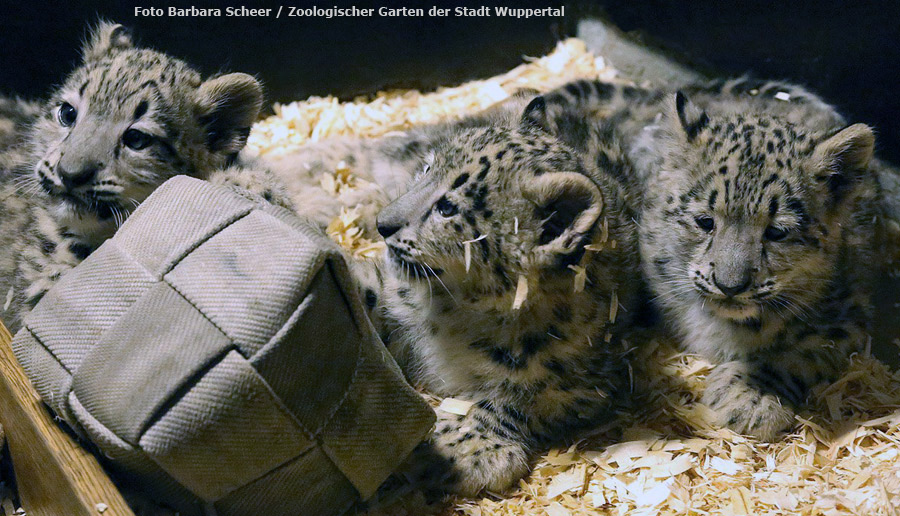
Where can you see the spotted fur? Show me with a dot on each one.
(122, 123)
(757, 235)
(529, 202)
(16, 115)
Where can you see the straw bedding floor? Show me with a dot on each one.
(664, 457)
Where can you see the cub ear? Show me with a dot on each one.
(843, 159)
(227, 107)
(535, 113)
(567, 206)
(106, 39)
(691, 119)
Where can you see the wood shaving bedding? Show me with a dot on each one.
(664, 457)
(318, 117)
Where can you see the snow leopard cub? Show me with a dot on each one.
(756, 235)
(497, 204)
(122, 123)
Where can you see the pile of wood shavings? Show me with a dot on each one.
(668, 459)
(665, 457)
(318, 117)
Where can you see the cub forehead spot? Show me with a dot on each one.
(141, 109)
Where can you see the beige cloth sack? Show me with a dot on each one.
(216, 352)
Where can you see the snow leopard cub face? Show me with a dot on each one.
(753, 224)
(491, 204)
(126, 120)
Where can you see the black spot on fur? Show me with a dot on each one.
(712, 199)
(534, 342)
(630, 92)
(508, 359)
(485, 167)
(501, 273)
(459, 181)
(141, 110)
(479, 200)
(485, 249)
(693, 128)
(752, 324)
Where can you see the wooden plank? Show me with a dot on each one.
(55, 475)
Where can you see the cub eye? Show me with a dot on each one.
(705, 223)
(775, 234)
(426, 168)
(66, 115)
(446, 208)
(136, 140)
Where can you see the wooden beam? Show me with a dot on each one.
(55, 476)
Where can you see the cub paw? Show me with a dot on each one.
(259, 183)
(742, 407)
(464, 460)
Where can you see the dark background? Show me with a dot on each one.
(847, 51)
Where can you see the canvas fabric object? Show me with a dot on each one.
(216, 352)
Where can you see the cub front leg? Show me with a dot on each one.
(759, 395)
(743, 405)
(467, 454)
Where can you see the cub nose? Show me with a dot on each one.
(82, 176)
(387, 228)
(741, 285)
